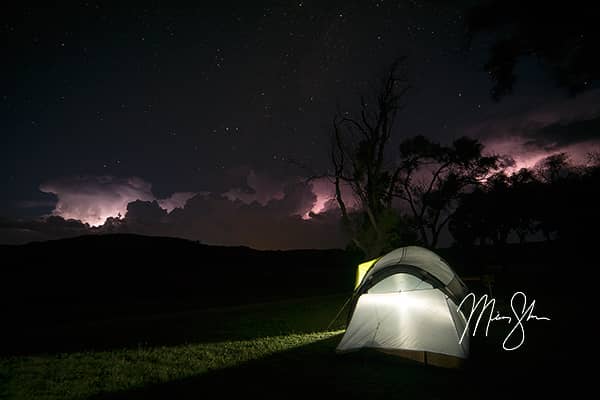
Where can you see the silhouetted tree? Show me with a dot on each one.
(358, 157)
(432, 177)
(552, 167)
(593, 161)
(556, 199)
(502, 205)
(569, 211)
(469, 221)
(522, 202)
(555, 174)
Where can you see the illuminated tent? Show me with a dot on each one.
(405, 303)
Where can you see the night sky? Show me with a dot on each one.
(218, 103)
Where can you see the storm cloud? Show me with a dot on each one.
(92, 199)
(550, 127)
(563, 134)
(218, 219)
(260, 212)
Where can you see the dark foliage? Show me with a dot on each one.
(432, 177)
(555, 201)
(563, 38)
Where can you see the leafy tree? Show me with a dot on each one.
(432, 178)
(556, 199)
(552, 167)
(555, 174)
(502, 205)
(564, 38)
(469, 222)
(523, 202)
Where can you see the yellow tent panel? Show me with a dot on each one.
(362, 269)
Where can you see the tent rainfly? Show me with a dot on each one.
(405, 304)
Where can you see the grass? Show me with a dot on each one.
(272, 350)
(80, 375)
(127, 353)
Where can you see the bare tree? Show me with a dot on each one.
(358, 156)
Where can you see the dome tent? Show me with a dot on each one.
(406, 303)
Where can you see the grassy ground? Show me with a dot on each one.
(121, 354)
(271, 350)
(80, 375)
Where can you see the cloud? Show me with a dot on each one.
(51, 227)
(177, 200)
(274, 214)
(563, 125)
(278, 224)
(92, 199)
(324, 189)
(566, 133)
(145, 211)
(219, 220)
(257, 187)
(263, 188)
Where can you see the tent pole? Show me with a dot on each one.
(340, 311)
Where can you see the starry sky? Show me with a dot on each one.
(194, 114)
